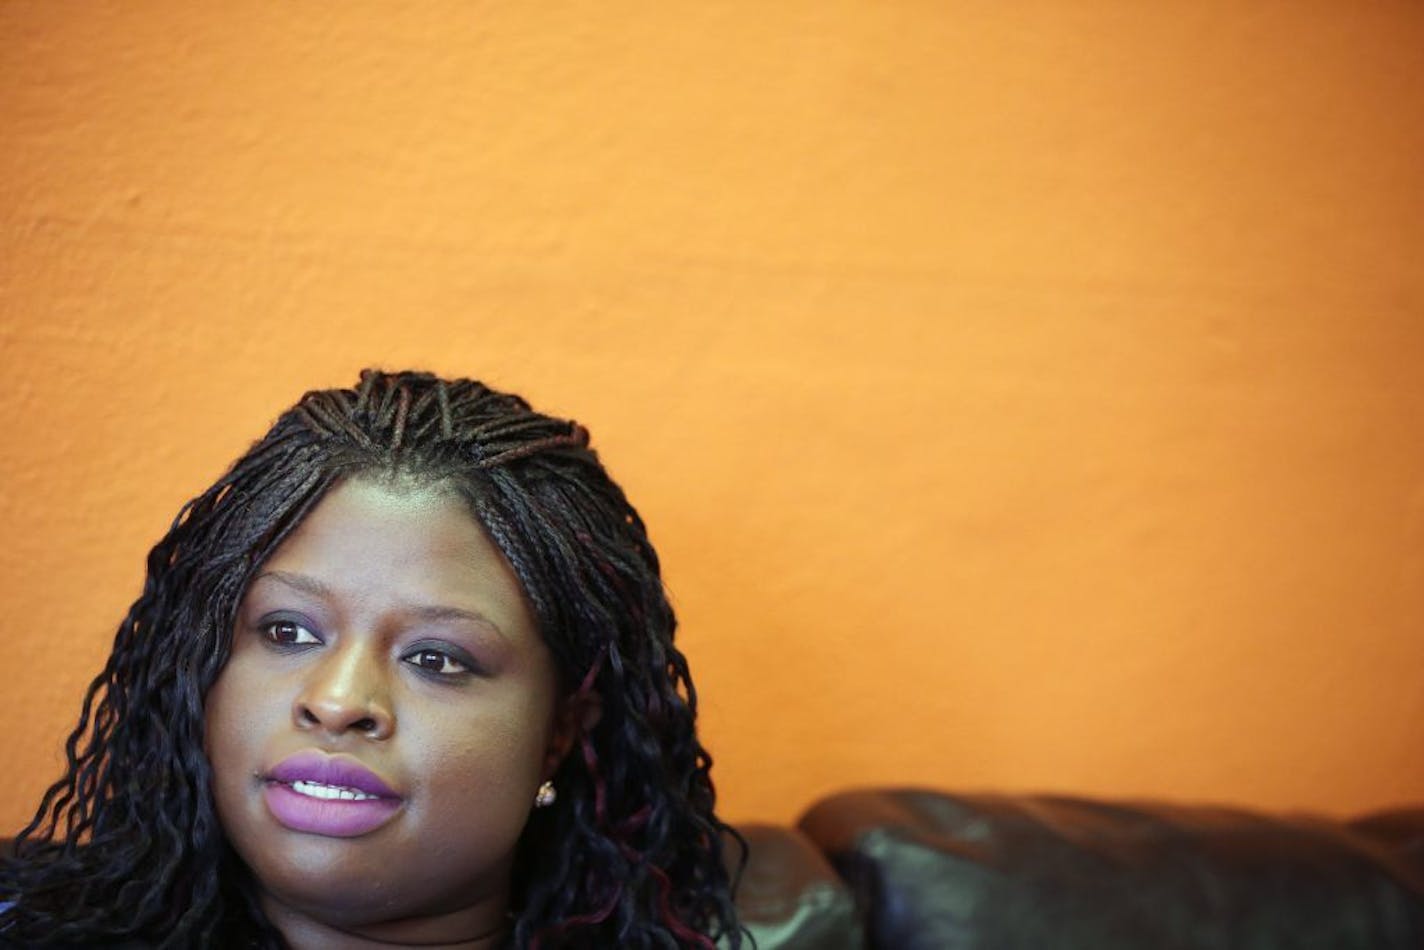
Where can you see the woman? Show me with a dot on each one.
(404, 676)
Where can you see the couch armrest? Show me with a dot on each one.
(790, 898)
(973, 872)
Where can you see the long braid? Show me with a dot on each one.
(127, 842)
(608, 576)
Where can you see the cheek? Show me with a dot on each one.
(235, 712)
(223, 745)
(495, 761)
(217, 721)
(488, 749)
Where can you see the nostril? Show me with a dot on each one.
(339, 714)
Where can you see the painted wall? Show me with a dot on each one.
(1022, 396)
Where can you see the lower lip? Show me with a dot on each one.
(333, 817)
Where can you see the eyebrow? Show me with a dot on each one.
(431, 612)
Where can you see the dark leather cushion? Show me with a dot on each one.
(933, 871)
(790, 898)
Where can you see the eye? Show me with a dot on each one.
(438, 662)
(288, 633)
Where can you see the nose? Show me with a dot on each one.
(346, 691)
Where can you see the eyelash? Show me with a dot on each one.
(446, 658)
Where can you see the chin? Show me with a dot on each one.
(338, 892)
(364, 882)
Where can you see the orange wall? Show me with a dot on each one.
(1023, 396)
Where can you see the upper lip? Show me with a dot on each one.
(338, 770)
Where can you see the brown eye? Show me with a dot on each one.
(437, 661)
(288, 633)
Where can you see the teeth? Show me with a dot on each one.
(330, 792)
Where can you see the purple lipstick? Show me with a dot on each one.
(328, 795)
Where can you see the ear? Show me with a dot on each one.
(575, 716)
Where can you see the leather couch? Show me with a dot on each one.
(901, 869)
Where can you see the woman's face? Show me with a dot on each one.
(384, 721)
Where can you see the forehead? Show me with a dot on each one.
(377, 543)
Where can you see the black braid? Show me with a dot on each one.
(127, 843)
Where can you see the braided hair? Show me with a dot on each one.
(127, 844)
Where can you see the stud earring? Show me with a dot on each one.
(545, 796)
